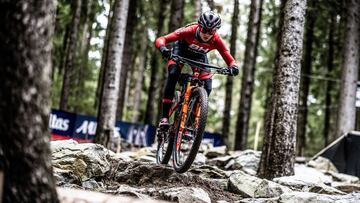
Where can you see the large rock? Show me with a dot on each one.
(308, 197)
(347, 188)
(343, 178)
(67, 195)
(207, 171)
(322, 163)
(311, 175)
(220, 161)
(132, 191)
(212, 174)
(200, 159)
(86, 160)
(247, 161)
(63, 177)
(216, 151)
(186, 195)
(297, 184)
(259, 200)
(251, 186)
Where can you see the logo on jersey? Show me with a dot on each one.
(198, 48)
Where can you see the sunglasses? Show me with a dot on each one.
(206, 31)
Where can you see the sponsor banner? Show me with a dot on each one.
(62, 123)
(82, 128)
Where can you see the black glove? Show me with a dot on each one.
(165, 52)
(233, 70)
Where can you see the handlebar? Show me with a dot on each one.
(203, 66)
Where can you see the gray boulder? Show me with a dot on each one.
(132, 192)
(308, 197)
(259, 200)
(345, 187)
(215, 151)
(251, 186)
(297, 184)
(63, 177)
(186, 195)
(86, 160)
(343, 178)
(322, 163)
(311, 175)
(220, 161)
(200, 159)
(247, 160)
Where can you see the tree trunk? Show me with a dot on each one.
(64, 50)
(242, 124)
(84, 50)
(70, 56)
(229, 80)
(278, 152)
(127, 64)
(177, 14)
(211, 4)
(330, 67)
(154, 63)
(305, 80)
(350, 68)
(140, 77)
(110, 91)
(26, 29)
(198, 9)
(104, 56)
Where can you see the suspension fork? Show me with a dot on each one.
(184, 111)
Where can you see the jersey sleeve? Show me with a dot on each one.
(224, 52)
(178, 34)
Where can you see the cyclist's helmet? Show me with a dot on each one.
(209, 20)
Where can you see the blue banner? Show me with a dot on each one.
(82, 128)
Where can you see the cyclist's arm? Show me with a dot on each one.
(178, 34)
(224, 52)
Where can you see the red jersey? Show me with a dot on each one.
(188, 34)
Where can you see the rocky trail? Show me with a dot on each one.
(216, 176)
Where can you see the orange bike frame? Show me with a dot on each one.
(184, 110)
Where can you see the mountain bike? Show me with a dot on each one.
(187, 117)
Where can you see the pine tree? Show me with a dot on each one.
(350, 69)
(247, 84)
(229, 80)
(278, 152)
(70, 56)
(26, 29)
(109, 94)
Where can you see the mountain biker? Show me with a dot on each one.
(193, 41)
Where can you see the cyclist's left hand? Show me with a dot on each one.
(233, 70)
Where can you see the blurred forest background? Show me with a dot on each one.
(80, 41)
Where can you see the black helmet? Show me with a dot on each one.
(210, 20)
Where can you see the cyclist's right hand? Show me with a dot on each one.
(233, 70)
(165, 52)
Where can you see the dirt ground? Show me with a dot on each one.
(148, 175)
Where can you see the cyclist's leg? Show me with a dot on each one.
(174, 72)
(206, 77)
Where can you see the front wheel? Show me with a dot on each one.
(187, 141)
(166, 137)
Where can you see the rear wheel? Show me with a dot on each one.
(187, 141)
(166, 136)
